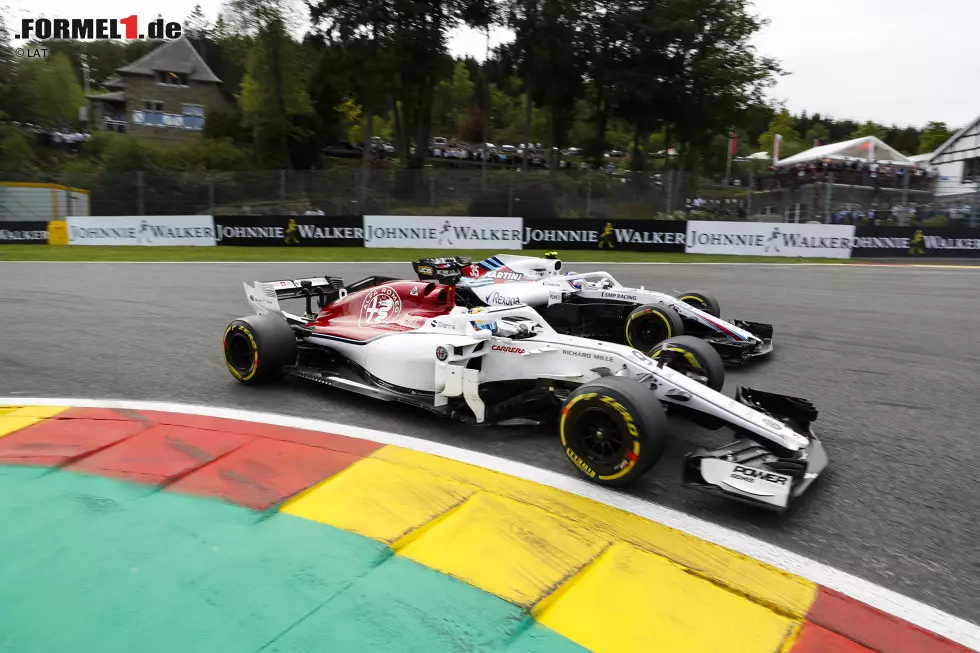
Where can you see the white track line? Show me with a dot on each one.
(920, 614)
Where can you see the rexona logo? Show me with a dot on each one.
(502, 300)
(94, 29)
(751, 474)
(508, 350)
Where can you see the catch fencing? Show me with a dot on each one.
(469, 190)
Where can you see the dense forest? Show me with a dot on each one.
(643, 77)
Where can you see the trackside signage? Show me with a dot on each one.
(917, 242)
(146, 230)
(442, 232)
(769, 239)
(625, 235)
(290, 230)
(23, 233)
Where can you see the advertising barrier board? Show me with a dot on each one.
(146, 230)
(769, 239)
(23, 233)
(443, 232)
(916, 242)
(612, 235)
(290, 230)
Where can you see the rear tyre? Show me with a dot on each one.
(693, 358)
(613, 430)
(257, 347)
(703, 301)
(648, 325)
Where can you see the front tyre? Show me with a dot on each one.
(702, 301)
(648, 325)
(613, 430)
(693, 358)
(256, 348)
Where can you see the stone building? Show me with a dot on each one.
(165, 94)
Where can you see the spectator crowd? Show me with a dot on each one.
(855, 173)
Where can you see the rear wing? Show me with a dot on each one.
(264, 296)
(446, 270)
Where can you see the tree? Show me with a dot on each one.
(870, 129)
(472, 127)
(453, 98)
(816, 135)
(196, 25)
(52, 88)
(783, 125)
(15, 151)
(716, 74)
(274, 92)
(6, 67)
(933, 136)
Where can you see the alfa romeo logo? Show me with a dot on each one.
(381, 305)
(442, 353)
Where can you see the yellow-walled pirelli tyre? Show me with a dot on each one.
(650, 324)
(257, 347)
(613, 430)
(694, 358)
(703, 301)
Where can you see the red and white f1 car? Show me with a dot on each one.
(595, 305)
(409, 341)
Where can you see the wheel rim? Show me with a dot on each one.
(239, 353)
(647, 333)
(697, 302)
(679, 363)
(601, 436)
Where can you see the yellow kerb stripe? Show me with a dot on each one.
(784, 592)
(15, 418)
(633, 600)
(507, 548)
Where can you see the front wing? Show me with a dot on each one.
(747, 471)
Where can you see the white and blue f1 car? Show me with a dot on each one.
(595, 305)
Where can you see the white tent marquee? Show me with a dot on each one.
(866, 148)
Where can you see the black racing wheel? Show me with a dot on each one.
(613, 430)
(693, 358)
(648, 325)
(703, 301)
(257, 347)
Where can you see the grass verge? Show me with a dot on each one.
(153, 254)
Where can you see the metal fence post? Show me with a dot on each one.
(139, 192)
(282, 185)
(210, 194)
(510, 195)
(670, 188)
(976, 205)
(68, 206)
(588, 197)
(432, 188)
(748, 208)
(827, 196)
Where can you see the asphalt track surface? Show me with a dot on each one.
(890, 355)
